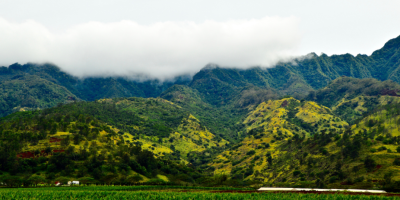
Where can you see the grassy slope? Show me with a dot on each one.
(349, 98)
(326, 156)
(186, 136)
(269, 124)
(223, 121)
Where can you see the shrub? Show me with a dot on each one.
(323, 151)
(332, 179)
(359, 179)
(396, 162)
(382, 148)
(250, 153)
(370, 164)
(296, 173)
(256, 157)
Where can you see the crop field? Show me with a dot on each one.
(162, 192)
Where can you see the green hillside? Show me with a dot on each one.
(91, 88)
(350, 98)
(316, 121)
(225, 120)
(269, 126)
(110, 140)
(313, 148)
(30, 92)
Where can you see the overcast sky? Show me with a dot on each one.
(162, 39)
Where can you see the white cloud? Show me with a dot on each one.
(161, 50)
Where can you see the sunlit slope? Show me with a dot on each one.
(364, 155)
(67, 143)
(154, 124)
(350, 98)
(270, 126)
(224, 121)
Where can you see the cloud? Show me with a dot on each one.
(160, 50)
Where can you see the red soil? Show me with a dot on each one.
(53, 139)
(284, 104)
(377, 167)
(26, 155)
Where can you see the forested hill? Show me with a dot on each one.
(125, 140)
(223, 126)
(33, 86)
(91, 88)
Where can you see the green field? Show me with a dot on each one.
(160, 192)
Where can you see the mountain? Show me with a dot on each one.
(221, 86)
(218, 86)
(316, 121)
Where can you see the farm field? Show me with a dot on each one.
(163, 192)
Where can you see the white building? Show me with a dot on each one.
(73, 182)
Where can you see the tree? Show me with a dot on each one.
(134, 179)
(147, 160)
(388, 178)
(319, 183)
(61, 160)
(35, 179)
(97, 173)
(370, 164)
(109, 178)
(269, 159)
(12, 181)
(65, 142)
(86, 180)
(48, 150)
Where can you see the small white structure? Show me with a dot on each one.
(73, 182)
(320, 190)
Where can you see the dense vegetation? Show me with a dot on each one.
(350, 98)
(31, 92)
(219, 86)
(339, 127)
(365, 155)
(123, 141)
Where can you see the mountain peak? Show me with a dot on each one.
(395, 42)
(210, 66)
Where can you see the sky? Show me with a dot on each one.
(162, 39)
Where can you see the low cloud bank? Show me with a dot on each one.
(162, 50)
